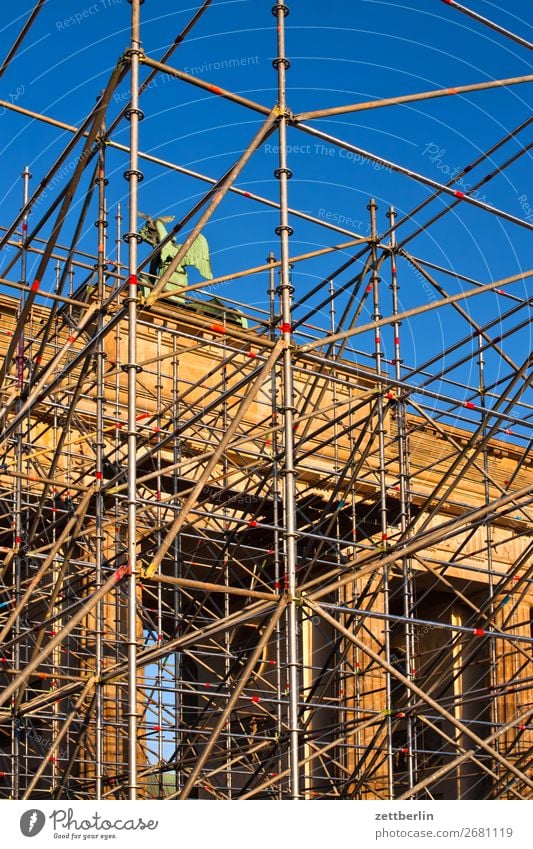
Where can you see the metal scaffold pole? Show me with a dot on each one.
(101, 224)
(134, 177)
(276, 496)
(403, 483)
(383, 544)
(284, 230)
(19, 531)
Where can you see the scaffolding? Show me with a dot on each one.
(242, 557)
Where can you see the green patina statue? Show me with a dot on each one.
(154, 233)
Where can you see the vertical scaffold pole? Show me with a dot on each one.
(101, 224)
(378, 352)
(17, 562)
(134, 176)
(493, 657)
(403, 473)
(26, 177)
(283, 174)
(118, 242)
(276, 497)
(177, 599)
(113, 735)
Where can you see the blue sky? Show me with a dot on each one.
(341, 52)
